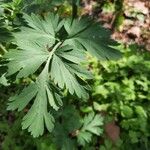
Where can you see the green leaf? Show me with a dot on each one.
(71, 54)
(26, 61)
(140, 112)
(63, 76)
(91, 125)
(41, 92)
(3, 80)
(33, 44)
(5, 34)
(44, 46)
(20, 101)
(84, 137)
(66, 69)
(92, 37)
(41, 33)
(101, 107)
(126, 111)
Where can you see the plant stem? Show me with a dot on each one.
(74, 10)
(44, 74)
(2, 48)
(54, 49)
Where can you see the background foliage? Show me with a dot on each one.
(116, 115)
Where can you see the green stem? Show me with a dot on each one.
(2, 48)
(50, 57)
(74, 10)
(54, 49)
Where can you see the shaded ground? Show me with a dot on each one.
(128, 19)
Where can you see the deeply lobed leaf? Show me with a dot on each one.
(91, 125)
(42, 48)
